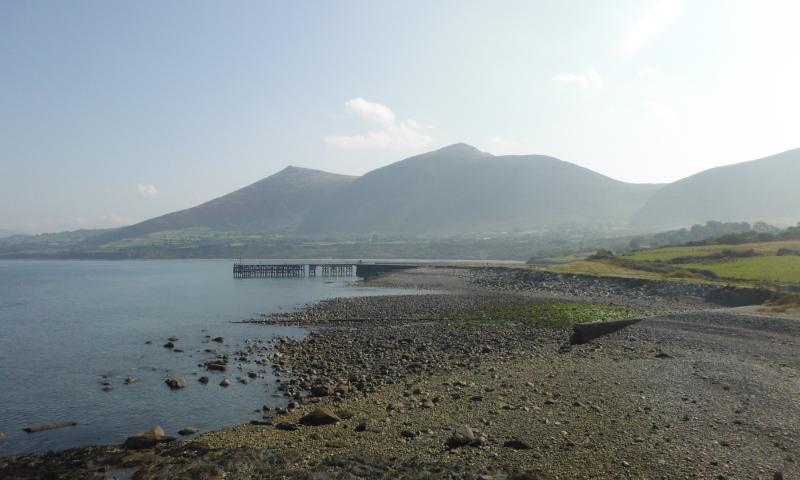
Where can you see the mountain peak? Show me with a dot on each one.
(462, 149)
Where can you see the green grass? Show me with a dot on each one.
(668, 253)
(562, 315)
(767, 269)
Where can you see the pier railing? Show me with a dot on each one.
(247, 270)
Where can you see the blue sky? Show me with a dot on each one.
(115, 112)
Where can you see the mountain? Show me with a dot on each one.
(461, 189)
(765, 189)
(8, 233)
(275, 204)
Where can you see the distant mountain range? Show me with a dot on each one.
(767, 189)
(459, 189)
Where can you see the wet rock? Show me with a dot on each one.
(188, 431)
(175, 382)
(169, 345)
(320, 416)
(173, 339)
(130, 380)
(225, 383)
(49, 426)
(219, 339)
(203, 379)
(144, 440)
(217, 365)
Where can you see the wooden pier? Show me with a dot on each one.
(249, 270)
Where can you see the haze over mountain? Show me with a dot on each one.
(767, 189)
(460, 189)
(275, 204)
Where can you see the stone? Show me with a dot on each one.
(217, 365)
(320, 416)
(286, 426)
(394, 406)
(130, 380)
(322, 390)
(345, 413)
(219, 339)
(416, 366)
(337, 443)
(175, 383)
(49, 426)
(408, 434)
(203, 379)
(427, 403)
(225, 383)
(462, 435)
(169, 345)
(144, 440)
(188, 431)
(173, 339)
(517, 445)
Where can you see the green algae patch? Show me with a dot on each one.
(562, 315)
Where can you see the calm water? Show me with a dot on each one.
(67, 327)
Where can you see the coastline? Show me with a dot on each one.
(696, 390)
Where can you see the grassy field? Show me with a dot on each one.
(768, 269)
(764, 268)
(668, 253)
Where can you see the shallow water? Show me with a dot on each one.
(68, 327)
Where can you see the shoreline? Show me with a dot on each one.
(678, 395)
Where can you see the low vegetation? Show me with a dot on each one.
(562, 315)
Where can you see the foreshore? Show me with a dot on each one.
(442, 386)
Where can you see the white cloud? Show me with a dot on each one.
(649, 25)
(370, 111)
(590, 78)
(146, 191)
(502, 142)
(649, 72)
(406, 134)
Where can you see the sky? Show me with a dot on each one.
(115, 112)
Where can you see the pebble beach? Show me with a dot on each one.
(414, 386)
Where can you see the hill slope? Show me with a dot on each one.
(275, 204)
(460, 189)
(765, 189)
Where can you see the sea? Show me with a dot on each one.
(71, 332)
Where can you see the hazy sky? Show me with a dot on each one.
(115, 112)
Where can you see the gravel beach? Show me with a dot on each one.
(405, 387)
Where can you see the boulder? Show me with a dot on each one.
(147, 439)
(130, 380)
(188, 431)
(203, 379)
(175, 383)
(169, 345)
(225, 383)
(462, 435)
(320, 416)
